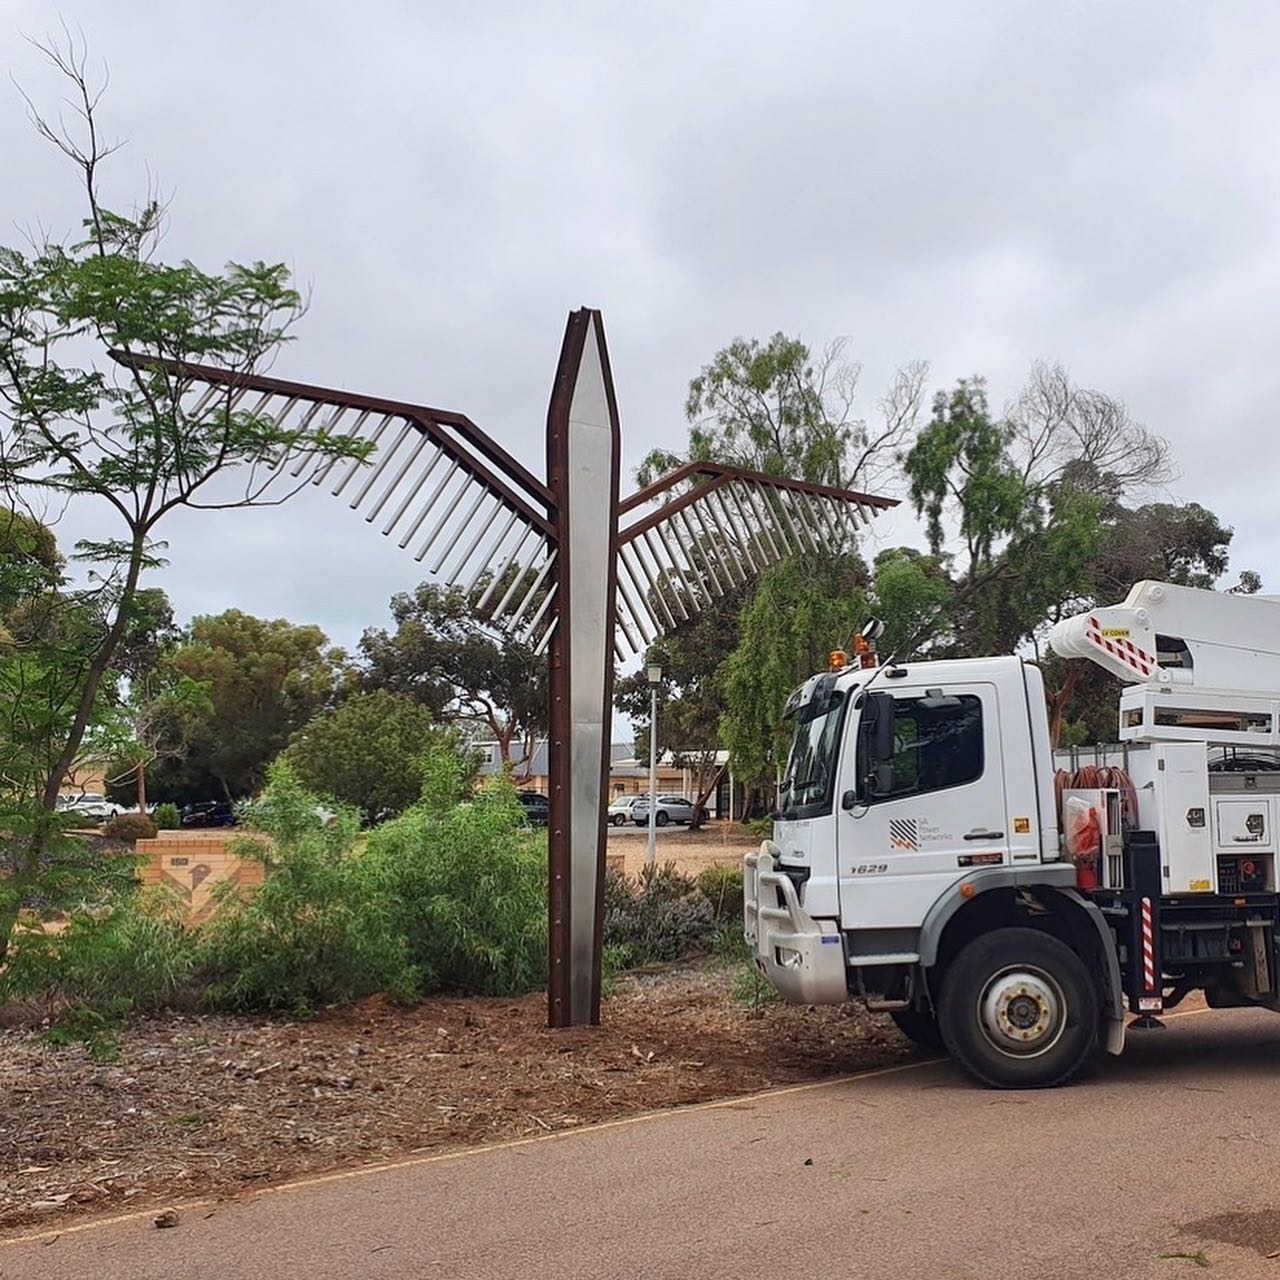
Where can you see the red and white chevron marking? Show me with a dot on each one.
(1148, 948)
(1137, 659)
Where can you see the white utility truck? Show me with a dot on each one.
(933, 858)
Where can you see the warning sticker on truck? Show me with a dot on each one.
(1115, 633)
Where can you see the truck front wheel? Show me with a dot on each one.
(1018, 1011)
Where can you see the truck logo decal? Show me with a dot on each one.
(904, 833)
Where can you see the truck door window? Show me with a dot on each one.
(935, 747)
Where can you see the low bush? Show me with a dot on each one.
(760, 828)
(722, 887)
(452, 894)
(166, 817)
(468, 882)
(131, 951)
(658, 916)
(751, 989)
(318, 930)
(130, 827)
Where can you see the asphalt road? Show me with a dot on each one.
(911, 1172)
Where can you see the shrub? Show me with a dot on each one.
(468, 883)
(166, 817)
(658, 916)
(760, 828)
(130, 952)
(318, 930)
(722, 887)
(728, 944)
(368, 752)
(129, 826)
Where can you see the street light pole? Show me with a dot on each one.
(654, 674)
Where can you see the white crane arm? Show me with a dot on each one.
(1207, 664)
(1166, 635)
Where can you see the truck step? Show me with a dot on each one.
(888, 957)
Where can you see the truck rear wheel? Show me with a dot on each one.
(1018, 1011)
(920, 1028)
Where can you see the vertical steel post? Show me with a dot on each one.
(582, 474)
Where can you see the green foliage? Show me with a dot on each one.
(30, 563)
(444, 655)
(722, 887)
(97, 1031)
(262, 680)
(912, 594)
(44, 870)
(658, 916)
(728, 944)
(129, 951)
(469, 883)
(777, 407)
(88, 416)
(762, 403)
(149, 725)
(319, 930)
(130, 827)
(751, 989)
(961, 462)
(166, 817)
(804, 608)
(369, 752)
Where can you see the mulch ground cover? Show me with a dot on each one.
(213, 1105)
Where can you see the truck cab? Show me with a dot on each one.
(909, 791)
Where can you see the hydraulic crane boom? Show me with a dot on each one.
(1204, 665)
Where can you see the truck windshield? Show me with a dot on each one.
(809, 780)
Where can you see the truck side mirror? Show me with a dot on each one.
(877, 726)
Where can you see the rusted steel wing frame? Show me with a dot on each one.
(725, 476)
(692, 469)
(428, 420)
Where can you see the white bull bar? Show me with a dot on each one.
(801, 958)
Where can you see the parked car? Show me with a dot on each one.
(670, 809)
(91, 804)
(620, 809)
(208, 813)
(537, 808)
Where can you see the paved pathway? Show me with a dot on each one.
(910, 1172)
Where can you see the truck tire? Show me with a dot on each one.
(921, 1029)
(1018, 1010)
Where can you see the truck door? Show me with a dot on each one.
(940, 812)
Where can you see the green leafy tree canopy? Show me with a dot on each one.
(368, 752)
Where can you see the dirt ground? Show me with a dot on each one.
(716, 844)
(216, 1105)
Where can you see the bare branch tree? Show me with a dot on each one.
(1060, 429)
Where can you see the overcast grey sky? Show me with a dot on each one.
(976, 185)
